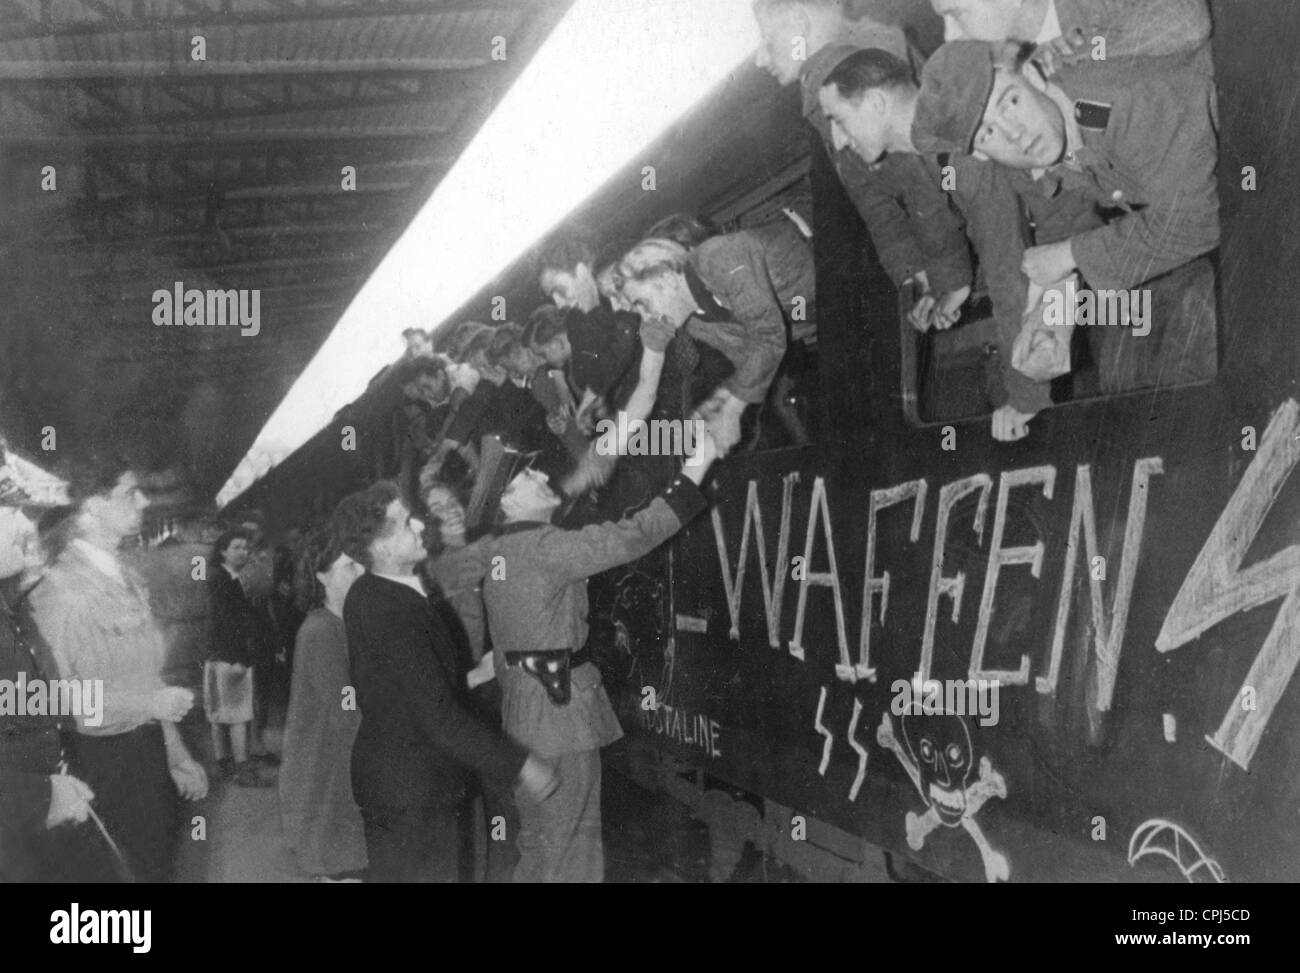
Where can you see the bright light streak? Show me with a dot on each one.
(611, 78)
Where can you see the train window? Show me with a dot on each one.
(790, 414)
(957, 374)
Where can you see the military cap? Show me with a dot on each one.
(955, 87)
(817, 69)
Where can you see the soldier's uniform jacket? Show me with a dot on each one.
(29, 746)
(458, 574)
(789, 260)
(899, 198)
(1147, 131)
(1152, 28)
(741, 312)
(1149, 148)
(537, 601)
(1001, 224)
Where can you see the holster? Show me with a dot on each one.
(550, 667)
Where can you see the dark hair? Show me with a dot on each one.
(548, 322)
(563, 252)
(683, 228)
(503, 344)
(530, 326)
(97, 474)
(315, 555)
(362, 517)
(481, 341)
(225, 540)
(409, 371)
(461, 338)
(868, 69)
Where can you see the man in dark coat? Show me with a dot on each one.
(417, 737)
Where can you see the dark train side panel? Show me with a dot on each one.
(1147, 711)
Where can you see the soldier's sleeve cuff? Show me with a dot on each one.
(684, 498)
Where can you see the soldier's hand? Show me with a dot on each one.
(919, 316)
(656, 333)
(69, 800)
(593, 470)
(947, 310)
(1009, 424)
(1046, 265)
(171, 704)
(721, 413)
(537, 779)
(702, 456)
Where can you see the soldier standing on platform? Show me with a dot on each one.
(553, 700)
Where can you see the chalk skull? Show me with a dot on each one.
(937, 754)
(940, 746)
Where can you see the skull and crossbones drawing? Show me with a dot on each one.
(936, 752)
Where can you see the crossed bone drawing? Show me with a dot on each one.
(919, 826)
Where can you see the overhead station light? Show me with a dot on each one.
(611, 78)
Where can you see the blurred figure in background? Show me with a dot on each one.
(179, 596)
(322, 822)
(257, 577)
(228, 677)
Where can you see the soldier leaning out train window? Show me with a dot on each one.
(783, 417)
(721, 294)
(1088, 195)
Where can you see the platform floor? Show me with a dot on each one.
(648, 838)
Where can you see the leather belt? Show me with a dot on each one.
(552, 668)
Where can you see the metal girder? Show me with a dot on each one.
(149, 70)
(372, 92)
(301, 155)
(282, 191)
(103, 292)
(200, 142)
(167, 242)
(216, 15)
(272, 264)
